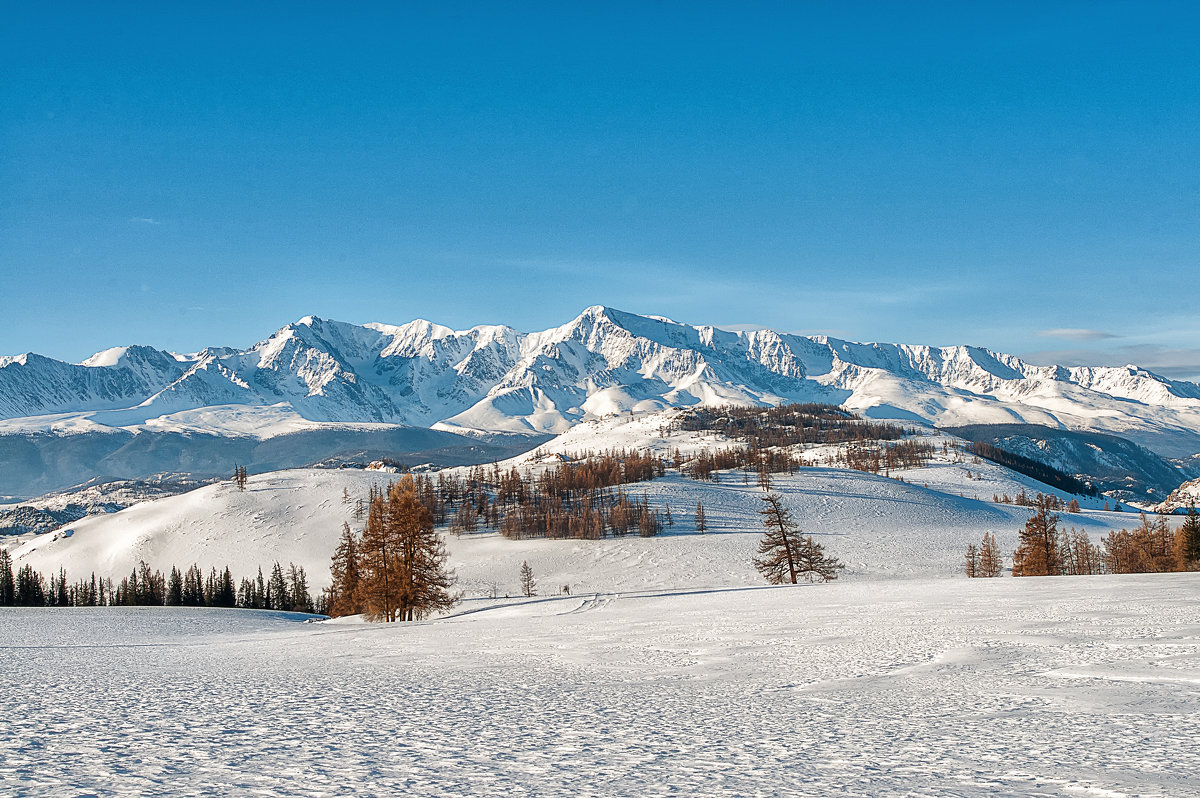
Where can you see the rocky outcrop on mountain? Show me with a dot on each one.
(1186, 495)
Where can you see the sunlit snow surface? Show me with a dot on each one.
(1067, 686)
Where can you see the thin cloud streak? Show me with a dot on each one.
(1177, 363)
(1076, 334)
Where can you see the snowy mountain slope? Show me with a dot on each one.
(34, 464)
(1121, 469)
(493, 378)
(32, 385)
(97, 497)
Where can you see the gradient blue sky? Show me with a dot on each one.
(1022, 176)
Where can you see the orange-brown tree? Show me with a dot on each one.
(402, 560)
(1037, 554)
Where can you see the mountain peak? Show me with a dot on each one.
(494, 378)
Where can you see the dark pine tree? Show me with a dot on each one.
(8, 584)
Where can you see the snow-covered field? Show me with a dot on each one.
(1029, 687)
(669, 670)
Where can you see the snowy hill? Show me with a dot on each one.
(315, 372)
(880, 527)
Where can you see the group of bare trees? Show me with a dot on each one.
(1052, 501)
(1152, 547)
(786, 425)
(583, 498)
(1045, 548)
(985, 559)
(396, 569)
(875, 458)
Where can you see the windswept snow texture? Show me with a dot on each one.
(1004, 687)
(494, 378)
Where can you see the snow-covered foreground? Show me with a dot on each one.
(1061, 686)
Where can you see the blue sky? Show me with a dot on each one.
(1022, 176)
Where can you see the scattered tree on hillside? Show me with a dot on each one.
(971, 561)
(528, 586)
(785, 556)
(701, 519)
(240, 477)
(764, 476)
(1037, 554)
(402, 567)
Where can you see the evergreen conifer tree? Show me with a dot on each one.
(8, 584)
(30, 588)
(277, 592)
(785, 556)
(1189, 534)
(344, 570)
(174, 596)
(528, 586)
(300, 599)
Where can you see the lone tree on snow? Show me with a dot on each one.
(784, 555)
(528, 586)
(401, 560)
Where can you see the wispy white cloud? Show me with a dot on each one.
(143, 220)
(1076, 334)
(1180, 363)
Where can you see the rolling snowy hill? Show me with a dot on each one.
(880, 527)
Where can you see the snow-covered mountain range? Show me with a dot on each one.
(317, 372)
